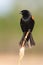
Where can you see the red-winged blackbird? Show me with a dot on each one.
(27, 25)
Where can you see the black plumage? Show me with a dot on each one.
(27, 23)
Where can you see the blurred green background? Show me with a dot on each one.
(10, 31)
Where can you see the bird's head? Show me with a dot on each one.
(25, 13)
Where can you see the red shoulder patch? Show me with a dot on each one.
(33, 17)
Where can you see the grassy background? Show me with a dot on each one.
(10, 32)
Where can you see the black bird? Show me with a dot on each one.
(27, 25)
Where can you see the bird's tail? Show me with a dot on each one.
(32, 42)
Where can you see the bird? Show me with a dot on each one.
(27, 24)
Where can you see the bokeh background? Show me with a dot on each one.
(10, 31)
